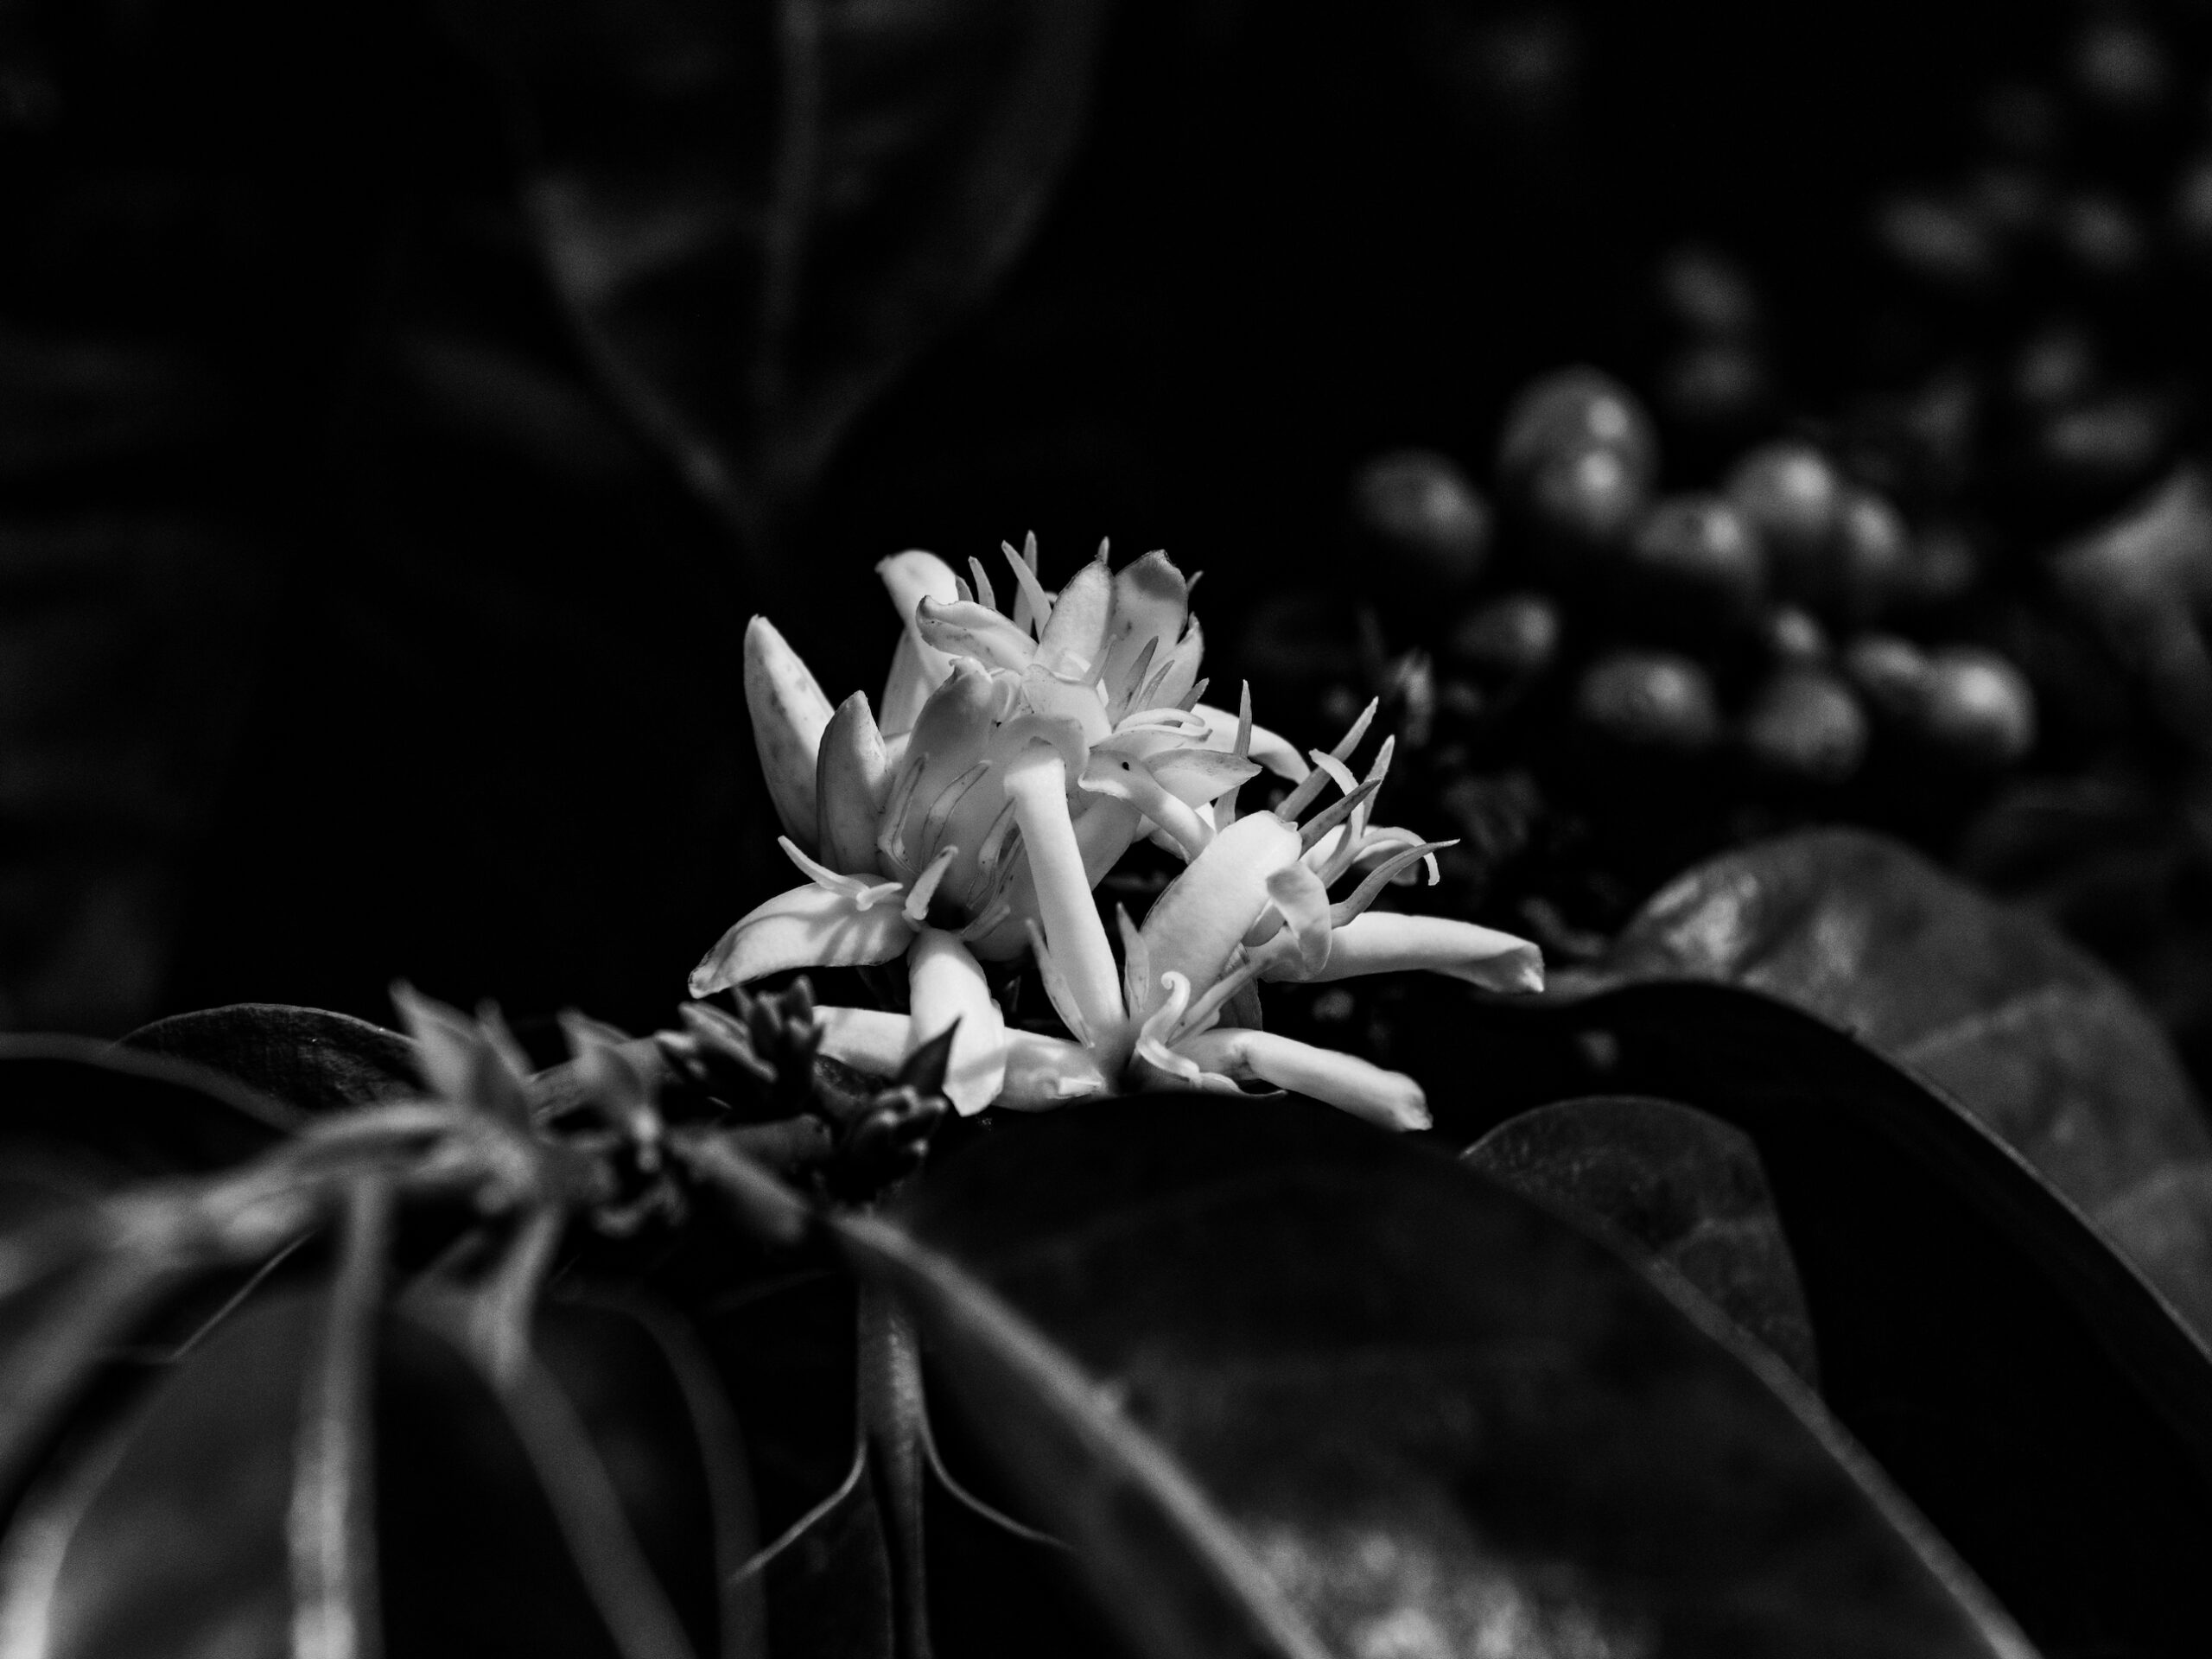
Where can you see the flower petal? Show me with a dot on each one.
(955, 727)
(1044, 1071)
(1389, 1098)
(916, 668)
(1383, 942)
(1303, 898)
(852, 779)
(961, 627)
(789, 715)
(945, 983)
(806, 927)
(1074, 641)
(1207, 911)
(1104, 828)
(1197, 776)
(1132, 781)
(869, 1040)
(1272, 750)
(1036, 781)
(1152, 602)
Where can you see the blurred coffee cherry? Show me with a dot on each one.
(1942, 570)
(1977, 709)
(1650, 700)
(1943, 242)
(2120, 68)
(2190, 217)
(1417, 511)
(1794, 635)
(1793, 498)
(1722, 387)
(2021, 119)
(2056, 365)
(2100, 237)
(2011, 201)
(2105, 445)
(1568, 413)
(1873, 549)
(1805, 725)
(1893, 675)
(1510, 639)
(1707, 294)
(1695, 569)
(1588, 499)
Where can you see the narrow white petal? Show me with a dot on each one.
(1205, 911)
(1271, 749)
(945, 983)
(1043, 1072)
(1036, 781)
(789, 713)
(806, 927)
(916, 668)
(1381, 942)
(1074, 641)
(1389, 1098)
(869, 1040)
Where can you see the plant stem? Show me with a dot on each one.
(890, 1400)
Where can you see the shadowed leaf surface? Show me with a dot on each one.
(1992, 1006)
(1292, 1386)
(655, 1415)
(785, 1354)
(498, 1527)
(757, 215)
(2018, 1377)
(178, 1535)
(310, 1058)
(1685, 1189)
(81, 1118)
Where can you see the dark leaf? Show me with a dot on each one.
(2024, 1384)
(756, 215)
(81, 1118)
(1680, 1188)
(338, 1611)
(311, 1059)
(1989, 1005)
(71, 1300)
(499, 1530)
(80, 1121)
(786, 1353)
(655, 1413)
(1290, 1386)
(826, 1582)
(230, 1513)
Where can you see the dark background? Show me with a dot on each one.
(347, 630)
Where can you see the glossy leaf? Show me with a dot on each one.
(1683, 1188)
(229, 1513)
(786, 1353)
(756, 215)
(498, 1527)
(2022, 1382)
(78, 1120)
(1989, 1005)
(826, 1582)
(310, 1058)
(655, 1413)
(72, 1300)
(93, 1117)
(1290, 1386)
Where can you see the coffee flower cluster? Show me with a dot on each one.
(1016, 758)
